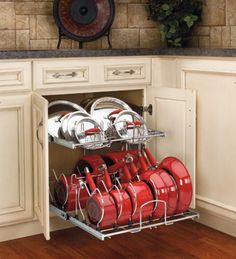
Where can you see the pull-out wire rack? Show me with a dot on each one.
(133, 228)
(107, 143)
(79, 216)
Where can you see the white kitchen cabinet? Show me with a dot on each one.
(16, 179)
(176, 112)
(214, 81)
(27, 158)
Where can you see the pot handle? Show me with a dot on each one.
(107, 179)
(151, 158)
(133, 169)
(127, 173)
(133, 124)
(92, 131)
(114, 112)
(89, 180)
(142, 162)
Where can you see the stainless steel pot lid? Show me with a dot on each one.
(106, 109)
(69, 122)
(57, 111)
(89, 133)
(131, 127)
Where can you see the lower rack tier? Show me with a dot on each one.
(134, 228)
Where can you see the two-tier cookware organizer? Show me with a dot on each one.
(113, 192)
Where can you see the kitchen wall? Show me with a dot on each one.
(28, 24)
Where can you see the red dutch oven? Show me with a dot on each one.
(66, 191)
(157, 186)
(100, 206)
(122, 201)
(182, 178)
(140, 194)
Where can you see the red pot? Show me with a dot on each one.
(95, 164)
(139, 193)
(112, 158)
(100, 206)
(182, 178)
(122, 201)
(157, 186)
(66, 190)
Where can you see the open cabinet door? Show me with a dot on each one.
(40, 152)
(174, 112)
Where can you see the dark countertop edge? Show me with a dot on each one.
(64, 53)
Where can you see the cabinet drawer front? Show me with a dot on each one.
(15, 76)
(66, 75)
(61, 74)
(128, 71)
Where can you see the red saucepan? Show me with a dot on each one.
(100, 206)
(156, 184)
(122, 201)
(95, 164)
(66, 190)
(140, 194)
(112, 158)
(182, 178)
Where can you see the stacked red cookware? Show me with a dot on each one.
(125, 187)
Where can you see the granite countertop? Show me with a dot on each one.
(24, 54)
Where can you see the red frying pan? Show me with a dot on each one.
(66, 190)
(100, 206)
(139, 193)
(182, 178)
(122, 201)
(178, 171)
(156, 184)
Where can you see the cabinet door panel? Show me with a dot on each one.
(174, 112)
(40, 150)
(15, 160)
(216, 141)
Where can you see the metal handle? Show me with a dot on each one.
(58, 75)
(118, 72)
(121, 202)
(135, 197)
(37, 133)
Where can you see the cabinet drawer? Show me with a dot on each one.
(15, 76)
(61, 73)
(128, 71)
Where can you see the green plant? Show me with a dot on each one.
(176, 18)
